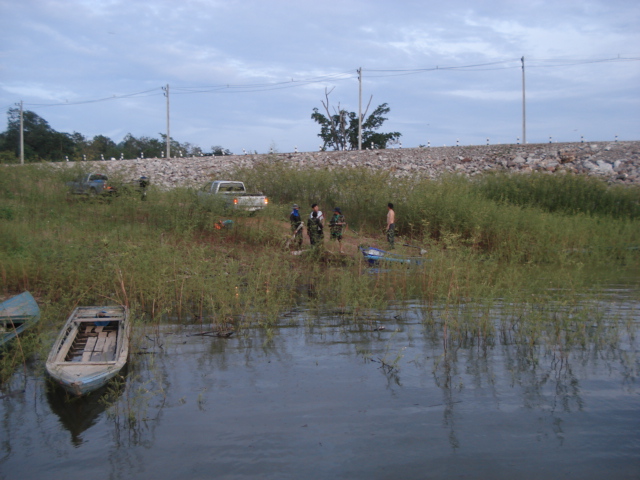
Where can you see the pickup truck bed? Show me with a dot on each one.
(91, 184)
(232, 194)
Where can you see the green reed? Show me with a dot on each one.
(571, 194)
(458, 212)
(166, 259)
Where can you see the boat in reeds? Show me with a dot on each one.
(91, 349)
(16, 315)
(375, 255)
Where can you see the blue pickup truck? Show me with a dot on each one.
(92, 184)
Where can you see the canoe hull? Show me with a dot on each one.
(375, 255)
(92, 348)
(16, 315)
(82, 381)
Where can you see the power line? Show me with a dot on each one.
(375, 73)
(228, 88)
(256, 87)
(482, 66)
(437, 67)
(145, 93)
(571, 63)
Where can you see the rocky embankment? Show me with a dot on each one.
(617, 162)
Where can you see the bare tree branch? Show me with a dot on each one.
(364, 115)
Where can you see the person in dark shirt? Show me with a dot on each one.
(315, 229)
(337, 225)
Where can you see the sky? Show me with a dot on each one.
(247, 74)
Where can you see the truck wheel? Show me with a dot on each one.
(93, 193)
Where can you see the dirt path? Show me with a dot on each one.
(352, 239)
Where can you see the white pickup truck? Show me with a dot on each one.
(232, 194)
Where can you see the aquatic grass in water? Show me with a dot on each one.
(474, 394)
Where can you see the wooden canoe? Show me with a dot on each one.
(91, 349)
(16, 315)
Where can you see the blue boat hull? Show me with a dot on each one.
(375, 255)
(16, 315)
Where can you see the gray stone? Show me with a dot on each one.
(617, 162)
(605, 167)
(589, 165)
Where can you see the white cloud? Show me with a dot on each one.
(494, 96)
(39, 92)
(568, 36)
(53, 51)
(418, 42)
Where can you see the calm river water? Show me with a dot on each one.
(322, 397)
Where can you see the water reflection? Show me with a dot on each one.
(432, 387)
(75, 414)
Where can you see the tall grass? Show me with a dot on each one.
(362, 193)
(166, 258)
(583, 214)
(162, 255)
(569, 194)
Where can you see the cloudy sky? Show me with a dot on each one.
(246, 74)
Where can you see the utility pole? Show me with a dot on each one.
(21, 136)
(524, 111)
(166, 94)
(359, 108)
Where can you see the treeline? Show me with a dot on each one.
(43, 143)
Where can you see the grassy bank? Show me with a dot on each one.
(166, 259)
(518, 218)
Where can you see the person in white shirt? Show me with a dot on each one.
(320, 216)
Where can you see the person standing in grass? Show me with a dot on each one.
(314, 229)
(337, 225)
(391, 225)
(296, 225)
(316, 208)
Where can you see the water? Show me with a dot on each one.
(324, 397)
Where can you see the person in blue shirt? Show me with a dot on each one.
(296, 225)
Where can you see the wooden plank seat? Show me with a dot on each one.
(94, 344)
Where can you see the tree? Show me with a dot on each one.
(218, 151)
(41, 142)
(104, 146)
(94, 149)
(133, 147)
(340, 129)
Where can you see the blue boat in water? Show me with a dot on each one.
(375, 255)
(16, 315)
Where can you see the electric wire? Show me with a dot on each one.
(145, 93)
(341, 76)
